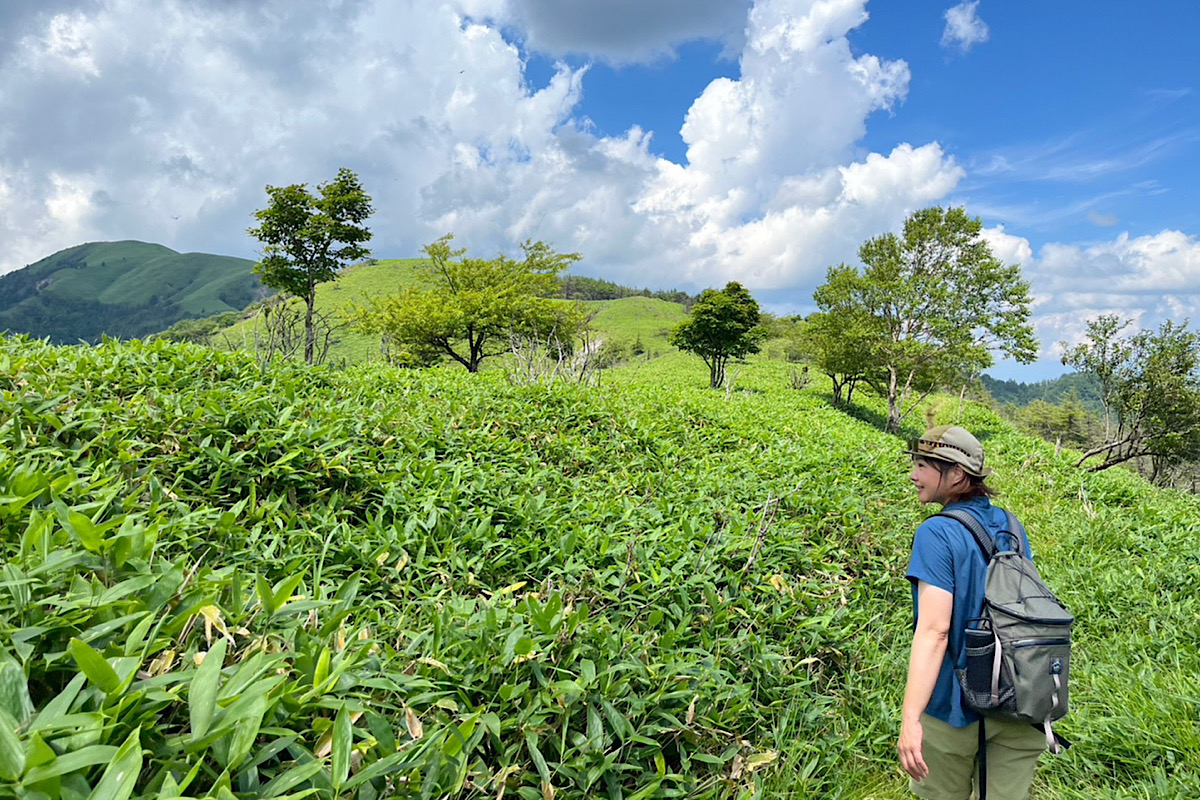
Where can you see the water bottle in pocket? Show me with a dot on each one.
(976, 678)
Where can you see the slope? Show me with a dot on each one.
(121, 289)
(642, 589)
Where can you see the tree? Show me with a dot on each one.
(928, 307)
(309, 238)
(470, 309)
(1151, 383)
(722, 325)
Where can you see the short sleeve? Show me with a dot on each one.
(932, 557)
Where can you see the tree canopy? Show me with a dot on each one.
(929, 307)
(469, 309)
(722, 325)
(308, 238)
(1151, 383)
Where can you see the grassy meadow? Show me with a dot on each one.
(627, 321)
(224, 580)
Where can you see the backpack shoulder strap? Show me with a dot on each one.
(982, 538)
(1016, 533)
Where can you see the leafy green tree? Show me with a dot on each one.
(1102, 356)
(928, 307)
(1151, 383)
(722, 325)
(469, 309)
(309, 238)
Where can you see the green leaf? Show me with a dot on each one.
(119, 779)
(12, 753)
(385, 766)
(645, 791)
(73, 762)
(457, 737)
(14, 692)
(94, 665)
(294, 776)
(84, 530)
(263, 588)
(39, 754)
(283, 591)
(339, 762)
(202, 695)
(245, 731)
(539, 760)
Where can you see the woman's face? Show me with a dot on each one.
(932, 485)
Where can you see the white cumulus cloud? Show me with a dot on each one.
(163, 121)
(964, 29)
(1147, 279)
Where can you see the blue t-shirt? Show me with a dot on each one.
(945, 555)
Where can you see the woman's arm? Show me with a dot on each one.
(934, 607)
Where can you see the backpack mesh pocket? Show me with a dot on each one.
(975, 679)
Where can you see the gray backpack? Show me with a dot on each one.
(1019, 647)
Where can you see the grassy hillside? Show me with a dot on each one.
(121, 289)
(627, 320)
(230, 581)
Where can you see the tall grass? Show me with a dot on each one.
(221, 580)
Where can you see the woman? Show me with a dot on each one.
(939, 736)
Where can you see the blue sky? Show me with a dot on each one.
(680, 143)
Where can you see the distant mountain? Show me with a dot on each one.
(121, 289)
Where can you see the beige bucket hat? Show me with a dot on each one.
(954, 444)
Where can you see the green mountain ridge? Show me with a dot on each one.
(123, 289)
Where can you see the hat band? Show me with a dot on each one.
(927, 445)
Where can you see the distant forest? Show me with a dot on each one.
(1053, 391)
(578, 287)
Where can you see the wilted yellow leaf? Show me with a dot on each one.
(213, 619)
(780, 584)
(691, 712)
(760, 760)
(411, 721)
(516, 587)
(162, 663)
(433, 662)
(547, 791)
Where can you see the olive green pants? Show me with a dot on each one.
(1012, 753)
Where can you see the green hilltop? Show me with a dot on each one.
(121, 289)
(630, 320)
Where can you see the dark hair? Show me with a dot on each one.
(975, 485)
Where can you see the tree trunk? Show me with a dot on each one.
(893, 417)
(716, 372)
(310, 334)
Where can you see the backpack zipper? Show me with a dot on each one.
(1036, 642)
(1038, 620)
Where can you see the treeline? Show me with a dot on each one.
(67, 321)
(1082, 388)
(578, 287)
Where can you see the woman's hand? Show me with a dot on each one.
(911, 736)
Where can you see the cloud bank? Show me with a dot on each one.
(167, 125)
(165, 120)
